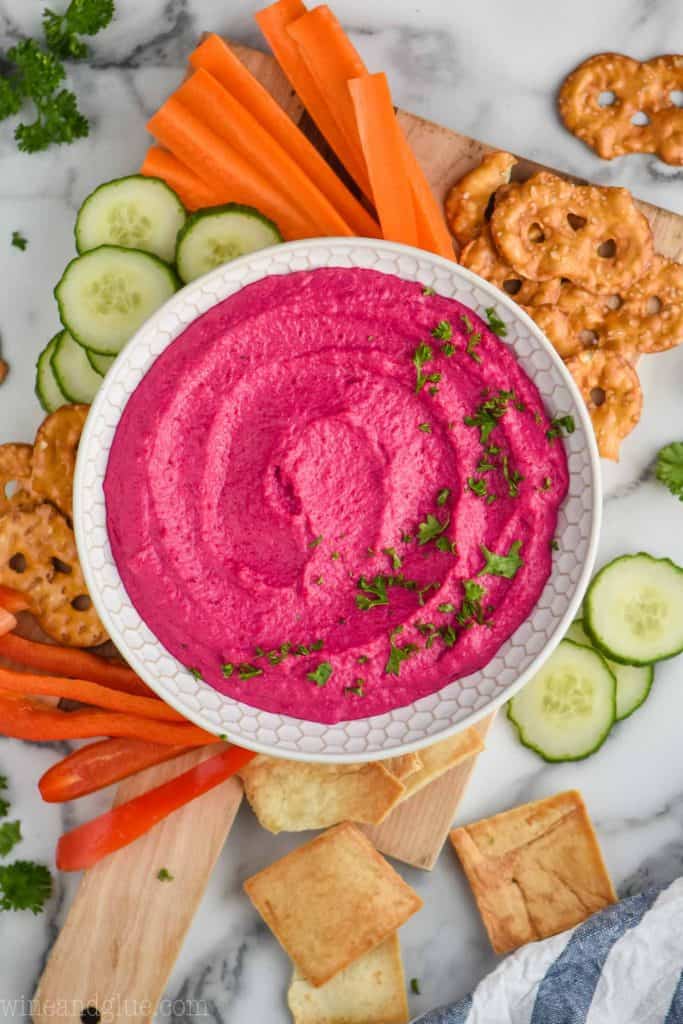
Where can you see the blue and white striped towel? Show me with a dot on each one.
(621, 966)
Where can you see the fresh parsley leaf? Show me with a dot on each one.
(227, 669)
(10, 835)
(554, 545)
(36, 76)
(24, 885)
(471, 608)
(335, 556)
(443, 330)
(431, 528)
(415, 986)
(444, 544)
(195, 673)
(164, 875)
(547, 483)
(362, 659)
(422, 354)
(397, 655)
(425, 590)
(18, 240)
(426, 428)
(487, 415)
(448, 635)
(316, 540)
(502, 565)
(396, 560)
(446, 607)
(406, 537)
(485, 466)
(670, 468)
(560, 425)
(248, 671)
(448, 349)
(472, 343)
(321, 674)
(317, 645)
(428, 291)
(512, 477)
(477, 486)
(82, 17)
(357, 688)
(443, 496)
(374, 593)
(497, 325)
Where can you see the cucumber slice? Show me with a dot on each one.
(633, 611)
(134, 212)
(49, 393)
(100, 364)
(219, 234)
(107, 293)
(74, 374)
(567, 710)
(634, 682)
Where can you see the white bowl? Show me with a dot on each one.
(456, 705)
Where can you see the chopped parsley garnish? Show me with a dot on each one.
(443, 496)
(431, 528)
(335, 556)
(487, 415)
(480, 488)
(227, 669)
(428, 291)
(443, 330)
(164, 875)
(422, 354)
(357, 688)
(248, 671)
(512, 478)
(10, 835)
(195, 673)
(18, 240)
(547, 484)
(426, 428)
(473, 338)
(425, 590)
(485, 466)
(374, 593)
(258, 652)
(502, 565)
(448, 349)
(471, 609)
(560, 425)
(24, 885)
(321, 674)
(396, 561)
(446, 607)
(406, 537)
(398, 654)
(554, 545)
(497, 325)
(433, 390)
(444, 544)
(362, 659)
(316, 540)
(415, 986)
(448, 635)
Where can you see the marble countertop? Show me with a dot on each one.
(491, 74)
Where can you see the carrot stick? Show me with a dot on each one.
(220, 166)
(216, 57)
(7, 622)
(87, 693)
(206, 98)
(13, 600)
(332, 60)
(193, 192)
(381, 140)
(431, 226)
(100, 764)
(66, 661)
(273, 22)
(27, 718)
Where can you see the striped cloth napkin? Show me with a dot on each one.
(621, 966)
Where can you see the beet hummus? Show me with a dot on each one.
(334, 493)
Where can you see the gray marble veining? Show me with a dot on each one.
(490, 71)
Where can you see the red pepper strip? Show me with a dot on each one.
(100, 764)
(89, 843)
(26, 718)
(67, 661)
(87, 693)
(13, 601)
(7, 622)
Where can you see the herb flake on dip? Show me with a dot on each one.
(334, 493)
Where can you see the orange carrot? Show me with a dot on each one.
(7, 622)
(87, 693)
(273, 22)
(13, 601)
(433, 233)
(220, 166)
(193, 192)
(331, 61)
(216, 57)
(67, 661)
(381, 140)
(28, 718)
(206, 98)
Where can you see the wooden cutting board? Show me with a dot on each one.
(123, 932)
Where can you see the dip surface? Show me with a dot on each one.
(301, 490)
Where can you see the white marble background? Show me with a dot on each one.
(490, 70)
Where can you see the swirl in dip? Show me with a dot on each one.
(334, 493)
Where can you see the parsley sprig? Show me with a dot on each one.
(24, 885)
(497, 325)
(487, 415)
(321, 674)
(502, 565)
(670, 468)
(398, 653)
(560, 425)
(19, 241)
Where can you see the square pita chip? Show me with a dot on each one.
(371, 990)
(535, 870)
(441, 757)
(331, 901)
(291, 796)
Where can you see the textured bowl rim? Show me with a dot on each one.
(83, 488)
